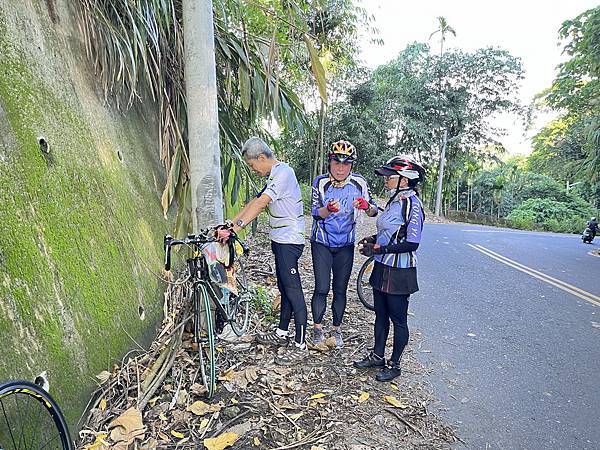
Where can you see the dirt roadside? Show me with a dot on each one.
(324, 404)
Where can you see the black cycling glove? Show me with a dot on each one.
(368, 249)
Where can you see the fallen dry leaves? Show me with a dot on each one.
(324, 404)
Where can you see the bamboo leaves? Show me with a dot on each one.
(317, 68)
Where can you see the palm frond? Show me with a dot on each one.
(137, 53)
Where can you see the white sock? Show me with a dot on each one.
(281, 333)
(301, 346)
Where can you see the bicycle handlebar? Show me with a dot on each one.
(198, 240)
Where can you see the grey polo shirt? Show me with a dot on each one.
(285, 209)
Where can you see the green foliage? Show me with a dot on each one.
(571, 144)
(262, 301)
(263, 51)
(306, 190)
(552, 215)
(402, 106)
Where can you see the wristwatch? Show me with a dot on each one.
(240, 223)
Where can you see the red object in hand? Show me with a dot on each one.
(223, 234)
(331, 207)
(362, 203)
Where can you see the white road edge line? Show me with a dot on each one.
(587, 296)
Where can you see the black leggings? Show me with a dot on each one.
(326, 260)
(290, 287)
(394, 307)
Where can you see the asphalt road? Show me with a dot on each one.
(515, 359)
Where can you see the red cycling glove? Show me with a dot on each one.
(331, 207)
(362, 203)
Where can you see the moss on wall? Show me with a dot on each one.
(80, 225)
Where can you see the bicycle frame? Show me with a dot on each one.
(197, 265)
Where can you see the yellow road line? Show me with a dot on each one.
(587, 296)
(595, 297)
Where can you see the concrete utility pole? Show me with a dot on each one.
(202, 113)
(438, 196)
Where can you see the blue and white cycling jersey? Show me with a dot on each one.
(401, 220)
(337, 229)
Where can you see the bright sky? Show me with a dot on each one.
(526, 28)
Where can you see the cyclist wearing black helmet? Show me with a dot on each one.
(337, 198)
(394, 276)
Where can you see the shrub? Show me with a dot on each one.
(306, 190)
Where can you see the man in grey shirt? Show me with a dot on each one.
(282, 199)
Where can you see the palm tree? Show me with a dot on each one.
(202, 114)
(443, 29)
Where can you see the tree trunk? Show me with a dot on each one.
(438, 197)
(457, 194)
(202, 114)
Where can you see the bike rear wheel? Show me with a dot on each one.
(31, 419)
(204, 337)
(363, 288)
(240, 312)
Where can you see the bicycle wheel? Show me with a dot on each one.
(204, 337)
(363, 288)
(240, 312)
(31, 419)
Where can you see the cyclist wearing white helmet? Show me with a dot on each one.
(337, 198)
(394, 276)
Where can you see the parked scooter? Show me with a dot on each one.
(587, 237)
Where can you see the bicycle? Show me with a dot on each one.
(207, 280)
(31, 419)
(363, 288)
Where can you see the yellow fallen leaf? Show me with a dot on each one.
(394, 402)
(227, 375)
(200, 408)
(220, 442)
(102, 404)
(162, 416)
(319, 395)
(363, 397)
(163, 436)
(177, 434)
(99, 444)
(204, 423)
(130, 420)
(256, 441)
(394, 386)
(296, 416)
(234, 401)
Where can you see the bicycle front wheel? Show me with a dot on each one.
(204, 335)
(363, 288)
(240, 313)
(31, 419)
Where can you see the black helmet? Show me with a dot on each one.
(593, 219)
(404, 166)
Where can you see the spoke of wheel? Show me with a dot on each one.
(50, 441)
(33, 435)
(7, 421)
(22, 437)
